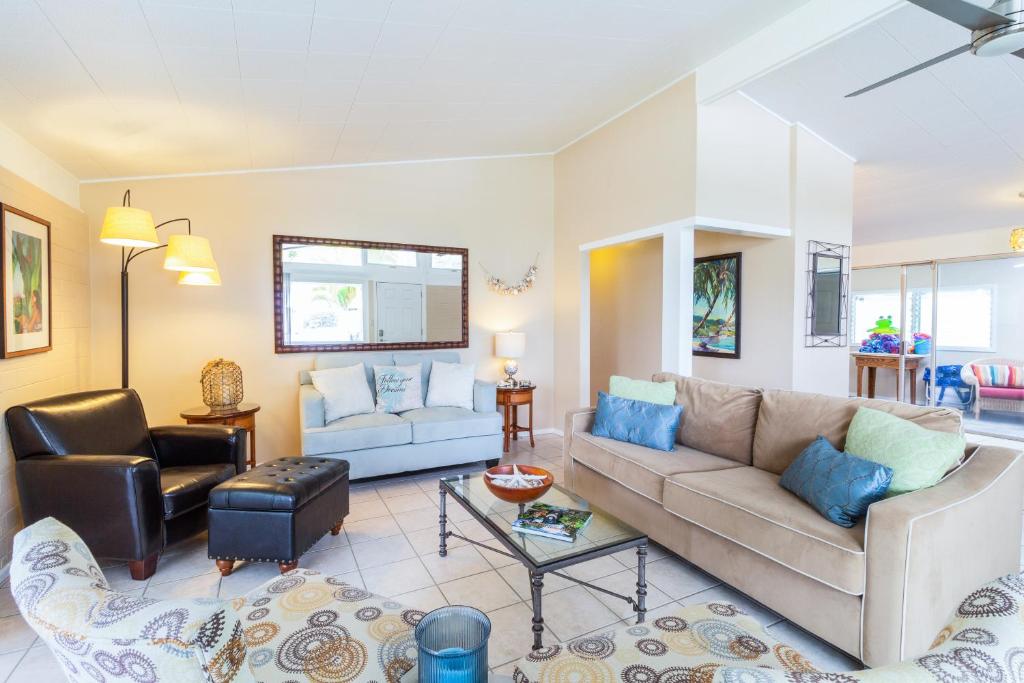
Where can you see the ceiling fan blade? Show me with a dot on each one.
(1018, 53)
(964, 13)
(914, 69)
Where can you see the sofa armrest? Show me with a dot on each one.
(927, 549)
(311, 407)
(178, 445)
(485, 396)
(112, 501)
(580, 420)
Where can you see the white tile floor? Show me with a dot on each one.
(389, 546)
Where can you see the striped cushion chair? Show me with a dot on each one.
(296, 627)
(998, 384)
(718, 643)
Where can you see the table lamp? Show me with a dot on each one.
(510, 346)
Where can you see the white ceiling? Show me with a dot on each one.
(137, 87)
(938, 152)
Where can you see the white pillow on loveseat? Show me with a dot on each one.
(345, 391)
(451, 385)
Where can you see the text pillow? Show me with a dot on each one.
(918, 457)
(639, 422)
(663, 393)
(451, 385)
(345, 391)
(838, 485)
(398, 387)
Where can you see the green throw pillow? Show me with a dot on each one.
(918, 457)
(663, 393)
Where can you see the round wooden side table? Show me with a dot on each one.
(509, 400)
(243, 415)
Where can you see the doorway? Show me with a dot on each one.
(399, 308)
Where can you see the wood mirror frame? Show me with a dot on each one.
(280, 344)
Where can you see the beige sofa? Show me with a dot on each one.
(880, 590)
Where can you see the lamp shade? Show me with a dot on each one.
(1017, 239)
(209, 278)
(509, 344)
(189, 253)
(124, 226)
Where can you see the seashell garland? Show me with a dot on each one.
(499, 286)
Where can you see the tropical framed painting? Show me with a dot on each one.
(716, 306)
(24, 283)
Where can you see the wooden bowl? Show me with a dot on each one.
(519, 495)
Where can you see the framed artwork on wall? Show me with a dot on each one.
(24, 283)
(716, 306)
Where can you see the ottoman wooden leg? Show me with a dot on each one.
(225, 567)
(288, 566)
(336, 529)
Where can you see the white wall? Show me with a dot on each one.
(66, 367)
(500, 209)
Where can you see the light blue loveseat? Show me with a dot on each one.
(385, 443)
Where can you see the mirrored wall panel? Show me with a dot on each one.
(347, 295)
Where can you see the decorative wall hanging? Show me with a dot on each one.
(716, 306)
(828, 284)
(24, 283)
(505, 289)
(222, 384)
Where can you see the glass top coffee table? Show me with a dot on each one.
(604, 535)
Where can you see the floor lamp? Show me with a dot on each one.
(134, 231)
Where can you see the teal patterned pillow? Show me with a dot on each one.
(838, 485)
(918, 457)
(398, 387)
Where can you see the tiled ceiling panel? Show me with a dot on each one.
(141, 87)
(940, 151)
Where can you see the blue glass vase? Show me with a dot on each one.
(452, 643)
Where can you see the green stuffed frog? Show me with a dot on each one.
(884, 326)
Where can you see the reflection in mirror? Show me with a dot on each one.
(828, 271)
(346, 295)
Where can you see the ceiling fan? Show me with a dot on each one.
(996, 31)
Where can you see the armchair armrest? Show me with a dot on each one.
(311, 407)
(112, 501)
(576, 421)
(199, 445)
(927, 549)
(485, 396)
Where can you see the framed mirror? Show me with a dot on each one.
(827, 280)
(349, 295)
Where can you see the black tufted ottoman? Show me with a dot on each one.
(277, 511)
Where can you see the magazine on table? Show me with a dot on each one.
(550, 521)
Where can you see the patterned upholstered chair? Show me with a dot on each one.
(998, 384)
(298, 627)
(718, 643)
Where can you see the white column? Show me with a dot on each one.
(584, 328)
(677, 299)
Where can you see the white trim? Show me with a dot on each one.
(633, 236)
(625, 111)
(764, 107)
(797, 124)
(820, 137)
(319, 167)
(707, 223)
(584, 330)
(548, 430)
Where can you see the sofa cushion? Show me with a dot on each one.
(188, 487)
(1001, 392)
(426, 361)
(789, 420)
(443, 423)
(717, 418)
(638, 468)
(746, 505)
(357, 432)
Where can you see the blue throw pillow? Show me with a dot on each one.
(645, 424)
(838, 485)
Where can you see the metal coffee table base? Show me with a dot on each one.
(537, 577)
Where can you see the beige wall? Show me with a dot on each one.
(500, 209)
(66, 367)
(636, 172)
(969, 243)
(625, 312)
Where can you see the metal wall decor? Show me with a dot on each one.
(499, 286)
(828, 294)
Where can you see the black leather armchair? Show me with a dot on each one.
(90, 460)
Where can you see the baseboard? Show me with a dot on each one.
(549, 430)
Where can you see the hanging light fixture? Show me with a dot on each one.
(1017, 239)
(133, 230)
